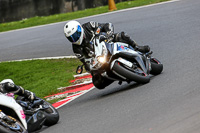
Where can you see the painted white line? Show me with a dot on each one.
(43, 58)
(81, 75)
(84, 92)
(122, 10)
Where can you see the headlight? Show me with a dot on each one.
(102, 59)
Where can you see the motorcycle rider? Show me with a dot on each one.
(81, 35)
(8, 86)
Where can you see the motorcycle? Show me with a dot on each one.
(117, 61)
(22, 116)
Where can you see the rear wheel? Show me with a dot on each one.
(156, 66)
(52, 115)
(130, 75)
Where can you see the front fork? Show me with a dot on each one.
(2, 115)
(6, 118)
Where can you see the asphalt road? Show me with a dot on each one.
(170, 103)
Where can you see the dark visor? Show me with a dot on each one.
(76, 35)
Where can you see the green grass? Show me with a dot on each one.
(72, 15)
(43, 77)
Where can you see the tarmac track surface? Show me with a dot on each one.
(170, 103)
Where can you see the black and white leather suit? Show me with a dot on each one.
(8, 87)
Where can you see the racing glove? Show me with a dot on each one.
(29, 95)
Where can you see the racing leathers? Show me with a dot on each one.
(9, 87)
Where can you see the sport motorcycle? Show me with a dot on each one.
(21, 115)
(117, 61)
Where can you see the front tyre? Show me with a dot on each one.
(100, 82)
(129, 74)
(16, 127)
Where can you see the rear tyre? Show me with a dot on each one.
(129, 74)
(156, 67)
(52, 115)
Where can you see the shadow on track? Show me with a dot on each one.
(119, 89)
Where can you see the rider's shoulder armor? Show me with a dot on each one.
(94, 24)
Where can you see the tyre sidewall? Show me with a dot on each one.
(51, 118)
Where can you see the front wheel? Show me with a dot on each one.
(15, 127)
(129, 74)
(100, 82)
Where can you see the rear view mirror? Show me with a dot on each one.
(79, 69)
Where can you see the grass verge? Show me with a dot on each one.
(35, 21)
(43, 77)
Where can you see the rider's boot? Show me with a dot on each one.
(143, 49)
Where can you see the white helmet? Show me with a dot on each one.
(7, 81)
(74, 32)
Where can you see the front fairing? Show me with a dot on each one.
(100, 50)
(12, 104)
